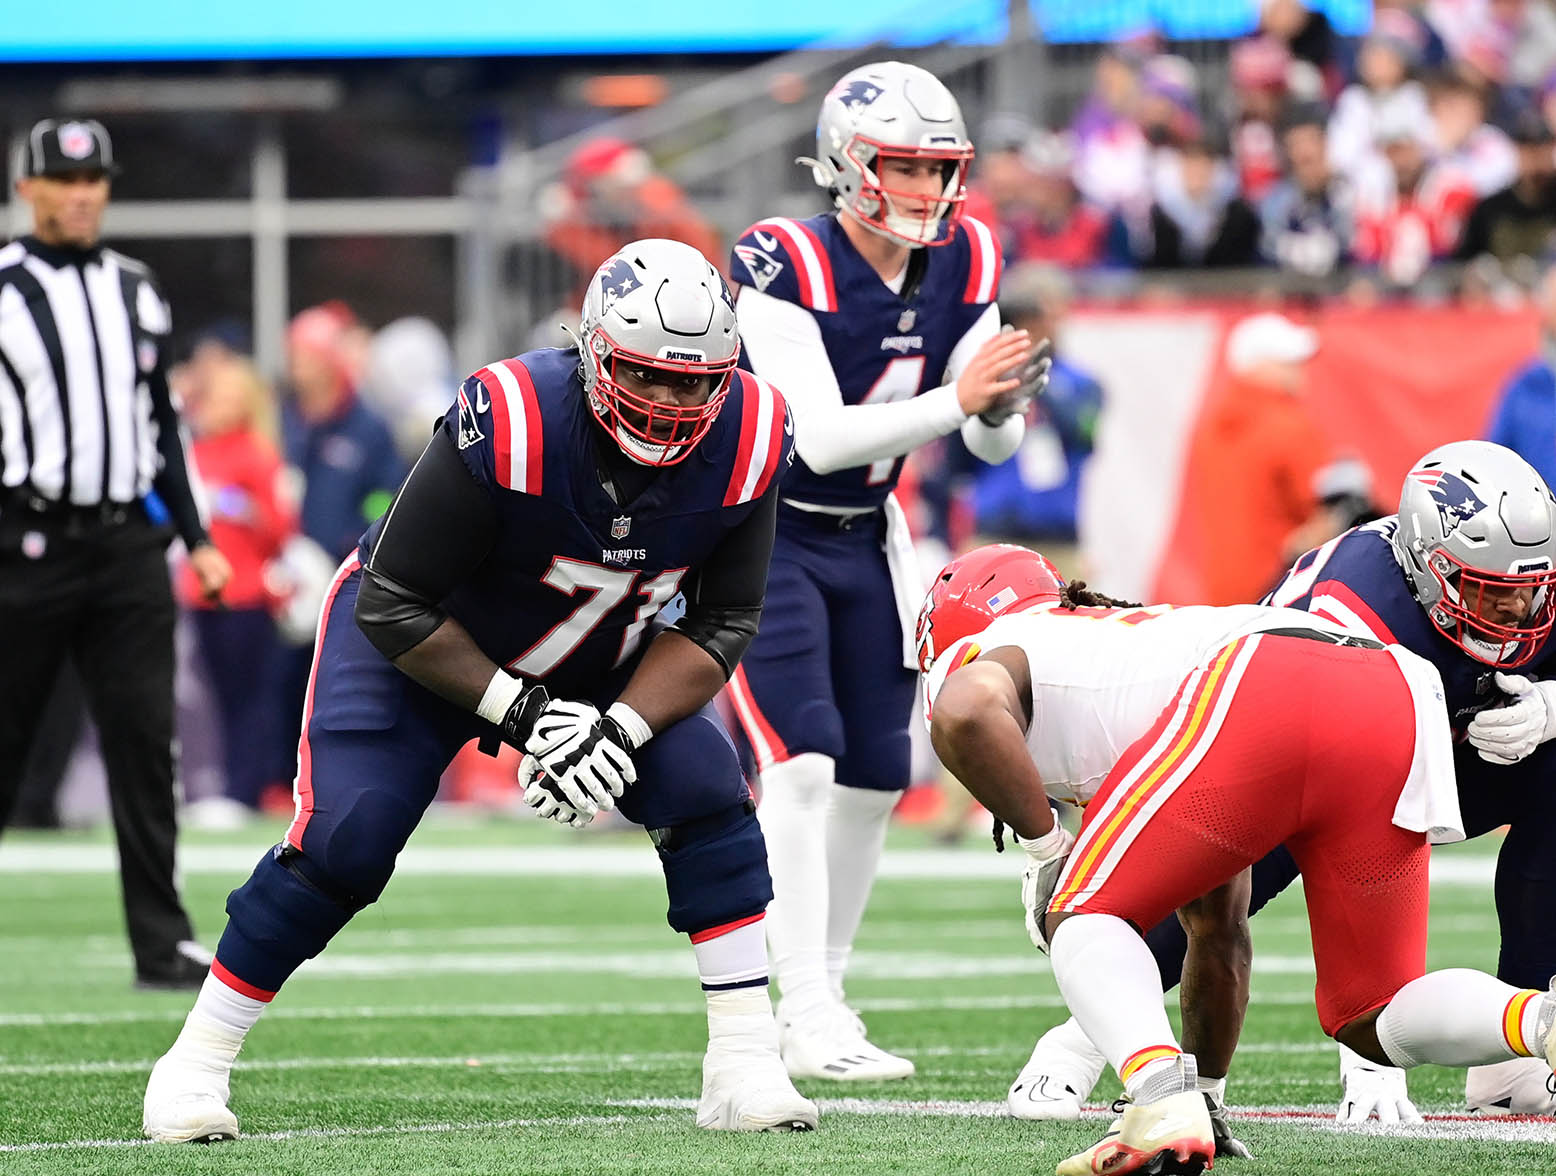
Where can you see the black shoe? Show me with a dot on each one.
(180, 972)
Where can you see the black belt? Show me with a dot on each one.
(1326, 637)
(824, 520)
(46, 512)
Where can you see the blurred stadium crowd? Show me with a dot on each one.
(1288, 168)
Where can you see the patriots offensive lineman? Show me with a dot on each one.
(878, 319)
(567, 497)
(1462, 576)
(1199, 740)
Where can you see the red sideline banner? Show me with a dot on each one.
(1387, 384)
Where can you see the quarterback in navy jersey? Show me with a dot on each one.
(878, 320)
(1463, 576)
(512, 593)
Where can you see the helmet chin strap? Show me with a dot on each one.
(638, 450)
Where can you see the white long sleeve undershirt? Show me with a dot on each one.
(784, 343)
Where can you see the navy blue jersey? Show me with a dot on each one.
(1354, 579)
(882, 346)
(573, 579)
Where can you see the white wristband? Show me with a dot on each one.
(635, 726)
(1045, 846)
(500, 694)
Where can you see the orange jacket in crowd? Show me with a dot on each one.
(1248, 485)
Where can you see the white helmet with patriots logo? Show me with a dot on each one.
(659, 305)
(891, 108)
(1477, 525)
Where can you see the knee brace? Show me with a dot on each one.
(715, 869)
(280, 917)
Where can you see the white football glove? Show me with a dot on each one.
(561, 739)
(1371, 1089)
(1046, 856)
(1506, 734)
(542, 794)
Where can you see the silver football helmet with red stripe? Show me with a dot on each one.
(1477, 538)
(657, 313)
(891, 109)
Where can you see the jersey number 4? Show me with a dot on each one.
(898, 381)
(603, 588)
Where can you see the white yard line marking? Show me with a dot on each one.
(886, 1004)
(353, 1132)
(1529, 1129)
(580, 860)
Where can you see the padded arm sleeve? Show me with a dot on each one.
(724, 603)
(438, 530)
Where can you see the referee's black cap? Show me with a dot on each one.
(58, 146)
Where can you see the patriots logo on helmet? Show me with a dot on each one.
(616, 281)
(1456, 501)
(858, 94)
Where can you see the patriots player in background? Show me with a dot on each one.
(878, 320)
(510, 593)
(1463, 577)
(1199, 739)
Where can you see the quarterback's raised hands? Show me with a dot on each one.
(994, 372)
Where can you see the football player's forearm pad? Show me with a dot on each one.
(724, 632)
(393, 618)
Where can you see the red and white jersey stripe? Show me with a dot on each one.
(763, 422)
(516, 425)
(811, 264)
(985, 263)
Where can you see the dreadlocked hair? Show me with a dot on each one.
(1077, 595)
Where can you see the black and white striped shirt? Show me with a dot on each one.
(85, 414)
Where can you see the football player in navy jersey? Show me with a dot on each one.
(510, 594)
(1463, 575)
(878, 320)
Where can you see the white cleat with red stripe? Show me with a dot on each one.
(1172, 1136)
(186, 1102)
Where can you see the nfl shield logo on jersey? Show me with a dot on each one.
(620, 525)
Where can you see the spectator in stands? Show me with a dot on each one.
(1169, 100)
(1409, 211)
(1112, 158)
(1034, 495)
(1524, 418)
(1464, 142)
(1250, 483)
(1520, 220)
(610, 195)
(1309, 219)
(252, 516)
(1197, 218)
(1384, 90)
(999, 192)
(1306, 34)
(409, 380)
(1061, 228)
(1259, 69)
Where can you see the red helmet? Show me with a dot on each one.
(973, 589)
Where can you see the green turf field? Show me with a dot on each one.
(516, 1004)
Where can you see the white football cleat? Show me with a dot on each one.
(1170, 1135)
(749, 1090)
(829, 1042)
(1520, 1086)
(186, 1102)
(1058, 1077)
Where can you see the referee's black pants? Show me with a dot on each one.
(98, 593)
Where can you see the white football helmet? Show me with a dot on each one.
(1475, 519)
(891, 109)
(658, 305)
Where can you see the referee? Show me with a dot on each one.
(92, 471)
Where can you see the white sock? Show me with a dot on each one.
(1109, 980)
(732, 957)
(214, 1031)
(857, 819)
(793, 815)
(1460, 1017)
